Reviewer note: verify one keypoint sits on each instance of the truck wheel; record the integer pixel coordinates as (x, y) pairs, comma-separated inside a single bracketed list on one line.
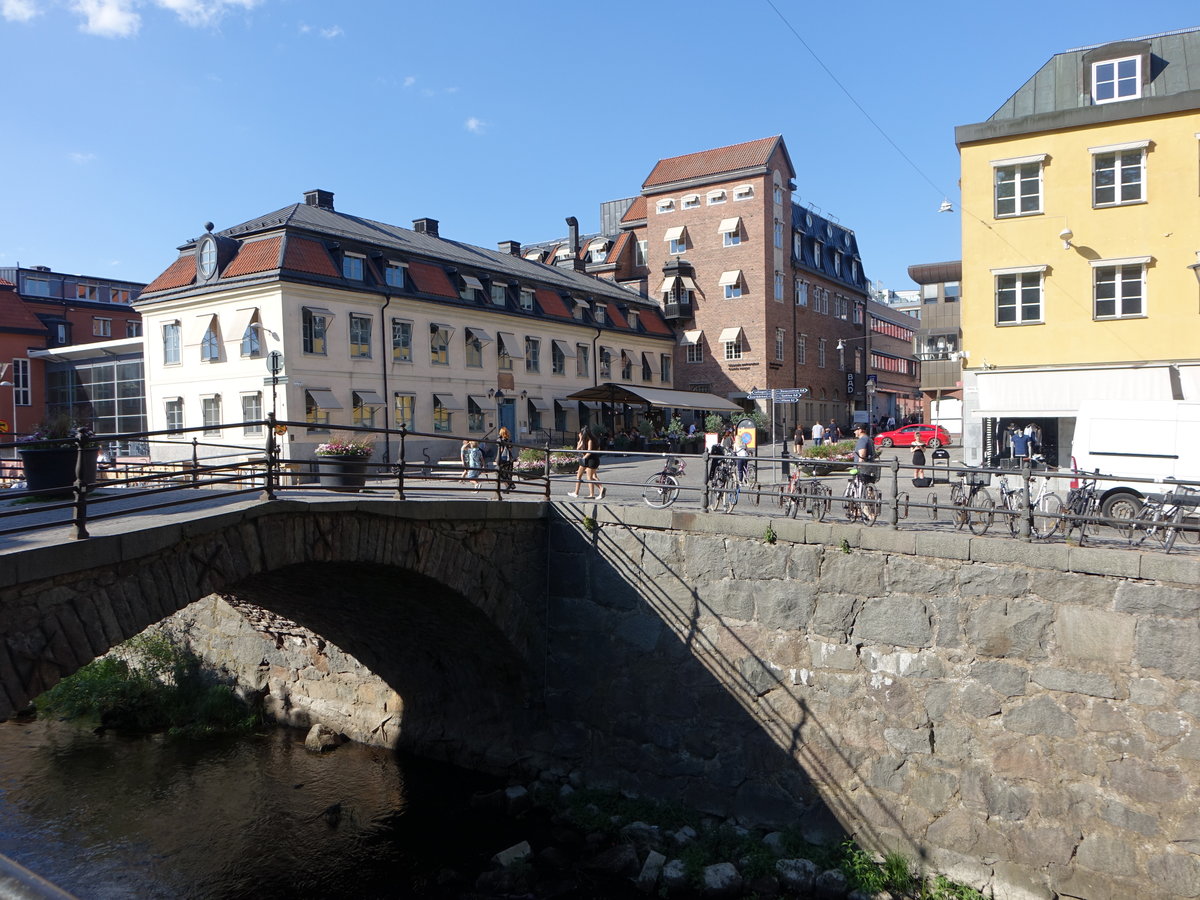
[(1120, 505)]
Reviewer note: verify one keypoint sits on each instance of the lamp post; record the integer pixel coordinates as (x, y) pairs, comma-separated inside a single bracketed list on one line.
[(12, 425)]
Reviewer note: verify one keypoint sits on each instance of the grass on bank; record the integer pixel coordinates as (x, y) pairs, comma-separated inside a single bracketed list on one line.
[(149, 684)]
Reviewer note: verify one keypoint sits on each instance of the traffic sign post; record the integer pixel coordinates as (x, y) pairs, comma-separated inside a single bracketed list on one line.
[(776, 395)]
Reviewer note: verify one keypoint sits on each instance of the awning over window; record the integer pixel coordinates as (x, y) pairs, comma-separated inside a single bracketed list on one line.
[(592, 404), (243, 319), (473, 282), (565, 349), (439, 326), (687, 282), (510, 346), (319, 311), (479, 334), (668, 283), (674, 234), (539, 403), (447, 401), (648, 360), (483, 401), (729, 335), (729, 225), (598, 244), (323, 399), (611, 351), (728, 278), (369, 398), (688, 338)]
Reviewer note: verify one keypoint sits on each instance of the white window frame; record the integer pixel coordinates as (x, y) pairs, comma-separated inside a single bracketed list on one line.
[(695, 353), (664, 206), (778, 234), (639, 252), (1122, 86), (715, 197), (743, 192), (526, 299), (801, 292), (252, 414), (402, 342), (780, 337), (210, 408), (665, 361), (499, 293), (439, 346), (733, 349), (1022, 279), (354, 266), (1119, 160), (691, 201), (1119, 269), (22, 389), (173, 414), (801, 349), (172, 334), (360, 347), (394, 269), (821, 342), (210, 344), (533, 355), (404, 409), (101, 326), (778, 287), (1023, 173)]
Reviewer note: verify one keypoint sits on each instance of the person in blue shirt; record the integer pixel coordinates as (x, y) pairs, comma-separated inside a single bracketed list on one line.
[(1020, 444)]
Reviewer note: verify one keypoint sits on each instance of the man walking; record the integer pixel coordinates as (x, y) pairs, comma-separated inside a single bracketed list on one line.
[(818, 433)]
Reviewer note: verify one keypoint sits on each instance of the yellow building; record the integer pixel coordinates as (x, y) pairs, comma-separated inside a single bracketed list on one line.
[(1081, 241)]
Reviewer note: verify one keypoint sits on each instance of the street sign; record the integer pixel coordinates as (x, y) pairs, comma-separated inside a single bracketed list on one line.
[(760, 395), (849, 384), (778, 395), (274, 362), (3, 426)]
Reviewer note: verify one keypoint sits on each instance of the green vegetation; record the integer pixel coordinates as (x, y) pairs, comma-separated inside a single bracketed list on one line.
[(149, 684), (769, 534)]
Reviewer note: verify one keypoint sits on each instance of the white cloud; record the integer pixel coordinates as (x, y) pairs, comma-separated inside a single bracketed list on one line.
[(203, 13), (79, 158), (18, 10), (332, 31), (475, 126), (108, 18), (410, 80)]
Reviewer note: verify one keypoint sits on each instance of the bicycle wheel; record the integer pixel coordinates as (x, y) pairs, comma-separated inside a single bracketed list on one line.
[(786, 499), (1172, 531), (933, 507), (1143, 524), (731, 496), (660, 491), (1046, 519), (980, 518), (818, 502), (1189, 530), (870, 504), (1011, 514), (958, 501), (850, 503), (902, 501)]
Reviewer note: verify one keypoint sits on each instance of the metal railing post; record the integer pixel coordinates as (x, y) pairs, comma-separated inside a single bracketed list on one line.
[(547, 471), (400, 465), (1026, 529), (895, 500), (272, 475), (195, 460), (81, 491), (704, 476)]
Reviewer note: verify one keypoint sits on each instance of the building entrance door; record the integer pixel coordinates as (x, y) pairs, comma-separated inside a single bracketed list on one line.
[(508, 416)]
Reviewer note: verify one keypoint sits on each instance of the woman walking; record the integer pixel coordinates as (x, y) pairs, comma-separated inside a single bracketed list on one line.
[(588, 465), (504, 459)]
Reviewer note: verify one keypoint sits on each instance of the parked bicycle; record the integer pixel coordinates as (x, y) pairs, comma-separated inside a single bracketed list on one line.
[(970, 503), (861, 499), (804, 493), (662, 488), (1045, 505), (1162, 517), (1081, 510), (724, 487)]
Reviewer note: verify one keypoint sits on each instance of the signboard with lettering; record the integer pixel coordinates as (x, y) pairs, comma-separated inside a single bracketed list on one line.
[(849, 384)]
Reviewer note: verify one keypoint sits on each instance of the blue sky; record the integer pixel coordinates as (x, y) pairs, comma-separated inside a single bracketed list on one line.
[(133, 122)]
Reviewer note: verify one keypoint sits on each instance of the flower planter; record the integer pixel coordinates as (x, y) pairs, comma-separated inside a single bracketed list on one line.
[(51, 470), (343, 473)]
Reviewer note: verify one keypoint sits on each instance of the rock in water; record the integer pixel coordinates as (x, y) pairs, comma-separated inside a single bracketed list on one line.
[(321, 738)]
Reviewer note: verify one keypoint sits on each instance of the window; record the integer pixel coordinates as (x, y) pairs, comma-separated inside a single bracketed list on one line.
[(632, 315), (743, 192), (733, 349), (817, 245), (210, 345), (313, 325), (801, 292), (171, 354), (647, 369), (315, 415), (779, 287), (499, 294), (695, 352), (732, 282), (715, 197), (533, 355), (394, 275), (87, 292), (664, 206), (401, 341), (732, 238), (535, 417), (778, 194), (605, 363), (599, 311), (474, 416), (441, 415), (364, 411), (352, 267), (801, 349), (731, 231), (251, 341), (403, 409), (558, 361), (174, 414), (526, 299), (504, 360), (1117, 79), (439, 345), (474, 350), (252, 414), (471, 288), (1118, 176), (664, 367), (22, 392), (101, 327), (38, 287), (677, 237), (119, 295), (837, 264), (639, 253), (929, 293), (581, 360), (1119, 288), (360, 337), (821, 353), (211, 409), (133, 328), (953, 291), (779, 339), (1018, 296), (798, 246), (691, 201), (778, 234), (1018, 186), (598, 251)]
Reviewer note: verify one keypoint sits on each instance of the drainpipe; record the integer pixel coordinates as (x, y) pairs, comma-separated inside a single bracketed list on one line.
[(387, 397)]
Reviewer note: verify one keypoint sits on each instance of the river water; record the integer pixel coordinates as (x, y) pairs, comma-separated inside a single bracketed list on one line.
[(105, 816)]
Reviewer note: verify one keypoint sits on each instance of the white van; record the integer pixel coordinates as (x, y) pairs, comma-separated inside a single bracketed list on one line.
[(1157, 439)]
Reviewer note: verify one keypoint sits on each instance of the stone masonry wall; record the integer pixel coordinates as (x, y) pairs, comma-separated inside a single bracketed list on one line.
[(1011, 722)]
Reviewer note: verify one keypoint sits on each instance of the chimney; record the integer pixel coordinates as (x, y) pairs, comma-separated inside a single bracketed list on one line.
[(426, 226), (319, 199), (573, 234), (511, 247)]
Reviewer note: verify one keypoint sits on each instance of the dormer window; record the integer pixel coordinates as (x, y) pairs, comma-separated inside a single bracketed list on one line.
[(664, 206), (632, 316), (717, 196), (743, 192), (534, 255), (1117, 79), (563, 252), (352, 267), (598, 313), (598, 250), (394, 273), (691, 201), (471, 288)]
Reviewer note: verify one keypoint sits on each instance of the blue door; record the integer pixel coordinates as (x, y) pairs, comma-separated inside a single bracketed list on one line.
[(508, 416)]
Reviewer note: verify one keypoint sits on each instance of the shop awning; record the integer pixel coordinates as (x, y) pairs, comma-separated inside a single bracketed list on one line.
[(637, 395)]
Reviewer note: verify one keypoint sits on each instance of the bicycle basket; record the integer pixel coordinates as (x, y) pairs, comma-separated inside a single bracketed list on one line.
[(979, 479)]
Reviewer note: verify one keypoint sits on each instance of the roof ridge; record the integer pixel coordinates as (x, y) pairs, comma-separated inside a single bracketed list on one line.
[(1144, 37)]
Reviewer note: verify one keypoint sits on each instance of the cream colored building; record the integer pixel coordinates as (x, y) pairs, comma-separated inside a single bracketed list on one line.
[(380, 325)]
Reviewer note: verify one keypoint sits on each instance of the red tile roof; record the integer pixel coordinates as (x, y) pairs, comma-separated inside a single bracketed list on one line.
[(653, 322), (551, 304), (636, 211), (618, 247), (431, 279), (14, 314), (255, 256), (305, 255), (711, 162), (179, 274), (614, 316), (6, 283)]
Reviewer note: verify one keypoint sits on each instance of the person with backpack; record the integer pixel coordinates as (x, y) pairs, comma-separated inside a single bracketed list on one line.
[(505, 457)]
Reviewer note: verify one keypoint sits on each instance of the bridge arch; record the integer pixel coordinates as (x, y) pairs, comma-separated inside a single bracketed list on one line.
[(446, 608)]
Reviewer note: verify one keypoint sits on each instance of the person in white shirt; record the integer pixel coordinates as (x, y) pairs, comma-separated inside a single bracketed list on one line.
[(818, 433)]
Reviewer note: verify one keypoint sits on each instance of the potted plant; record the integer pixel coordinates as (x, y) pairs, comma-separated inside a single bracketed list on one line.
[(56, 453), (342, 461)]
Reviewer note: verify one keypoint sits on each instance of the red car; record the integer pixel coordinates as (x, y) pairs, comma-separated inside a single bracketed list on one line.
[(931, 435)]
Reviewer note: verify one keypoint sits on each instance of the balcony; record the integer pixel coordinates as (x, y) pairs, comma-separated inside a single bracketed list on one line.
[(677, 309)]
